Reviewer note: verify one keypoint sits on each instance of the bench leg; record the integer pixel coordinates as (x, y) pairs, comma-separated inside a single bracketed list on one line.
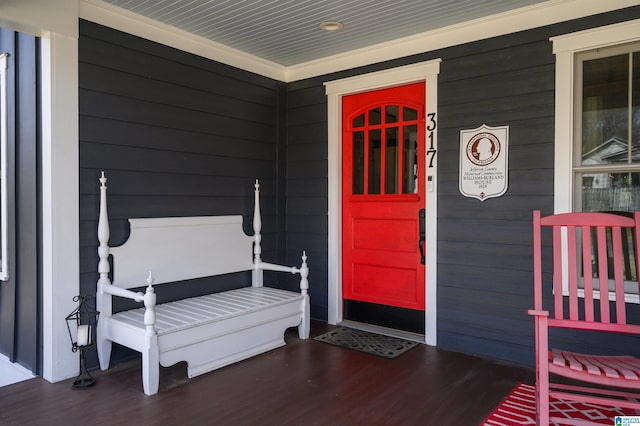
[(151, 366), (304, 327), (104, 352)]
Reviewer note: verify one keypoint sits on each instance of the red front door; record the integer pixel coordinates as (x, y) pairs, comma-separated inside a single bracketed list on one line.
[(383, 149)]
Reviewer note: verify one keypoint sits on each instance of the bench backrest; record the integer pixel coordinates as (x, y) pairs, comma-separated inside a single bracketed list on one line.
[(181, 248)]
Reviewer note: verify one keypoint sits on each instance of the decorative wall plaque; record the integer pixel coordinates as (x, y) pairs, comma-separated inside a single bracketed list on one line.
[(484, 165)]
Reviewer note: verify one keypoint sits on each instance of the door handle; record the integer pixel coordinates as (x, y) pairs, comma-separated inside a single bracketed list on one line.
[(421, 224)]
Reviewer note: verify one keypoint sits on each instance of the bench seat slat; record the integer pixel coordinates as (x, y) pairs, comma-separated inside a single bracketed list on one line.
[(174, 316)]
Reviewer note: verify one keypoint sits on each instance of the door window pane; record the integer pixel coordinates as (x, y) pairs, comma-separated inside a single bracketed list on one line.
[(391, 114), (375, 143), (410, 159), (358, 121), (358, 162), (391, 161), (409, 114), (374, 116)]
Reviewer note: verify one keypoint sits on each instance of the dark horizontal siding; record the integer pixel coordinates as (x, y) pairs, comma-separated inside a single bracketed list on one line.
[(119, 51), (182, 135), (307, 190), (484, 248), (177, 135), (21, 294), (506, 84), (485, 262)]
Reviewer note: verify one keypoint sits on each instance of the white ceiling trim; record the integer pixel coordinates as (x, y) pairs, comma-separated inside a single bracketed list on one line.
[(504, 23), (120, 19), (547, 13)]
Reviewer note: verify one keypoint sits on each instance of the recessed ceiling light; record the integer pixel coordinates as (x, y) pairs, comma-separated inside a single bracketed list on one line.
[(331, 25)]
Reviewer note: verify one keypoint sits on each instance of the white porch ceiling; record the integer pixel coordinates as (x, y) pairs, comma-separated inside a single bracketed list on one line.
[(287, 33)]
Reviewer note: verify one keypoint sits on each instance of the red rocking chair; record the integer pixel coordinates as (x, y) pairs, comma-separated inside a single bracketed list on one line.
[(585, 246)]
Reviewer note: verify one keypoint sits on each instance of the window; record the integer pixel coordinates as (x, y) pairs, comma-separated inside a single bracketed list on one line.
[(597, 133), (4, 255), (386, 140), (607, 143), (607, 130)]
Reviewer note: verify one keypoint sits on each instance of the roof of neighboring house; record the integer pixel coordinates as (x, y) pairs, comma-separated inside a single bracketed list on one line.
[(613, 150)]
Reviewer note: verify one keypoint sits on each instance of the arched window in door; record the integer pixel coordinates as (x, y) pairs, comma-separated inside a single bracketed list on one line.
[(384, 151)]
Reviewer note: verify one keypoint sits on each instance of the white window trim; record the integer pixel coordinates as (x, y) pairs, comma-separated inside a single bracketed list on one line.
[(4, 209), (565, 47), (424, 71)]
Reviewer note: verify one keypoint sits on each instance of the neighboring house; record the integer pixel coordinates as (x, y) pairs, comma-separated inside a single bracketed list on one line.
[(606, 191), (613, 150), (180, 133)]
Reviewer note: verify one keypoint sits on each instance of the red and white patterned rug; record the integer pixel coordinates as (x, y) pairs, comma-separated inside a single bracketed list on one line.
[(519, 409)]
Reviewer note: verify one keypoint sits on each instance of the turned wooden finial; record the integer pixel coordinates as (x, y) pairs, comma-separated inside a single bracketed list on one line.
[(149, 304), (103, 234), (304, 274), (257, 225)]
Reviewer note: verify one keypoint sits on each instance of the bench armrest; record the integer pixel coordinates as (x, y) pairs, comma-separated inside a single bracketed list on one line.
[(303, 270), (273, 267), (149, 299), (117, 291)]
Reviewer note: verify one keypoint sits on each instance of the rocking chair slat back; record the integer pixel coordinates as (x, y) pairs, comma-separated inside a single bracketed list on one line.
[(593, 256), (590, 260)]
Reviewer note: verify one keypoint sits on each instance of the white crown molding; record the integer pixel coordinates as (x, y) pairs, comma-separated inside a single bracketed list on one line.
[(546, 13), (593, 38), (117, 18)]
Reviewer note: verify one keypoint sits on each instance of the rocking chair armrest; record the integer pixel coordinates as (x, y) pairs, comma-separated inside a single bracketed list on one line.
[(538, 313)]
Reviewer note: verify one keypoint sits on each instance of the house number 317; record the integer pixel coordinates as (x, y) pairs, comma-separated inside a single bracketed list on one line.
[(431, 127)]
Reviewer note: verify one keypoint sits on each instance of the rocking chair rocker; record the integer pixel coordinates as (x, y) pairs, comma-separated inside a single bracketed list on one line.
[(590, 251)]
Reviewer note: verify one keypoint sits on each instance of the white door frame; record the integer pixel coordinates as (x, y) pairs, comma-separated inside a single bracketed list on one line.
[(424, 71)]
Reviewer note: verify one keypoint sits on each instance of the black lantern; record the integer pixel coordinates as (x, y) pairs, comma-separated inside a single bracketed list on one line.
[(82, 321)]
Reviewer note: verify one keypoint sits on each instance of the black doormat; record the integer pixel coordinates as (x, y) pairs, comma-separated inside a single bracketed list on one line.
[(364, 341)]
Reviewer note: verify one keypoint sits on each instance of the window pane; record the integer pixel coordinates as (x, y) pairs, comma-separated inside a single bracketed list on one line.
[(611, 192), (391, 161), (374, 161), (358, 162), (391, 114), (628, 260), (409, 114), (605, 111), (358, 121), (635, 90), (374, 116), (410, 159)]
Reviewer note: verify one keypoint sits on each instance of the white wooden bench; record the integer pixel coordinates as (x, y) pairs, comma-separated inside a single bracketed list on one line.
[(208, 332)]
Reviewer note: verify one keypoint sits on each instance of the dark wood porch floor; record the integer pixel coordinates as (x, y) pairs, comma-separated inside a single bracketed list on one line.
[(304, 383)]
